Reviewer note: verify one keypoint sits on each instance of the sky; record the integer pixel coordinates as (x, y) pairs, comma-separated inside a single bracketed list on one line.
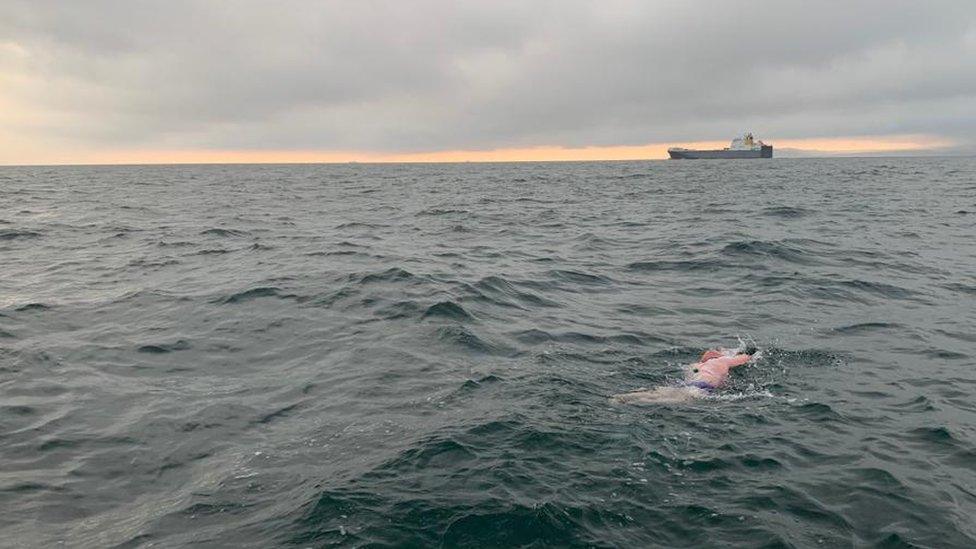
[(480, 80)]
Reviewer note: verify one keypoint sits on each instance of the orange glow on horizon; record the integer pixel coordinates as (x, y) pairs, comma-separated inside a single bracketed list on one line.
[(854, 145), (840, 145)]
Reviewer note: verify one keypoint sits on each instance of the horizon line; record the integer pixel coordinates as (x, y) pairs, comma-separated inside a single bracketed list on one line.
[(866, 146), (828, 156)]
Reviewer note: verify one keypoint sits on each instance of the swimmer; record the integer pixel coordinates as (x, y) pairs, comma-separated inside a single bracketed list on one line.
[(708, 374)]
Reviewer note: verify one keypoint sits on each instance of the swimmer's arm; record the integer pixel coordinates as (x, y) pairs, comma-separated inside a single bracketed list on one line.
[(739, 360)]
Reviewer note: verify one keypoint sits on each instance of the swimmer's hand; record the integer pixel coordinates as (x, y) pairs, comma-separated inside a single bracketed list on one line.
[(737, 360)]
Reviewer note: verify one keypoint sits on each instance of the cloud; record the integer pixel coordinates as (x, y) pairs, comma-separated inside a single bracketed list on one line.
[(426, 75)]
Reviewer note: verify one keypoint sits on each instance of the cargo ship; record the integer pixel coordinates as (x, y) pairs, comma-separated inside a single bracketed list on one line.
[(741, 147)]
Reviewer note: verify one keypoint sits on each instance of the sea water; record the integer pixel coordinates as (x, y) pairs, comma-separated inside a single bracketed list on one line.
[(422, 355)]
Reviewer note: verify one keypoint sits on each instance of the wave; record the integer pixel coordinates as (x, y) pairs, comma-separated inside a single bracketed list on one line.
[(785, 212), (481, 382), (787, 251), (501, 290), (393, 274), (593, 242), (251, 294), (360, 225), (879, 288), (968, 289), (677, 265), (338, 253), (224, 232), (579, 277), (13, 234), (432, 521), (866, 327), (212, 251), (536, 337), (400, 309), (32, 307), (818, 412), (441, 211), (281, 412), (468, 340), (163, 348), (447, 309), (939, 436), (153, 263)]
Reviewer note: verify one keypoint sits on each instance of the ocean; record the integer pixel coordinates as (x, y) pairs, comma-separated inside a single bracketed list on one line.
[(424, 355)]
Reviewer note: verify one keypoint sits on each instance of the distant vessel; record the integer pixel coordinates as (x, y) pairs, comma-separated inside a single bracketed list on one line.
[(741, 147)]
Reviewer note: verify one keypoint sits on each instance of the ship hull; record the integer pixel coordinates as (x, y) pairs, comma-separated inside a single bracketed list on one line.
[(690, 154)]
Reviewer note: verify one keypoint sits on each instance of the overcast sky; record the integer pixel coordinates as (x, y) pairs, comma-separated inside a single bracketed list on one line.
[(406, 76)]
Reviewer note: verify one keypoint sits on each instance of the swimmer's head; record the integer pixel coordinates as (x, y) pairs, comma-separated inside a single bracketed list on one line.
[(712, 353), (750, 350)]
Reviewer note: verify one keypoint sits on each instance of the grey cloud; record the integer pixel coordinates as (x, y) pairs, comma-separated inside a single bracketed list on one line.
[(407, 76)]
